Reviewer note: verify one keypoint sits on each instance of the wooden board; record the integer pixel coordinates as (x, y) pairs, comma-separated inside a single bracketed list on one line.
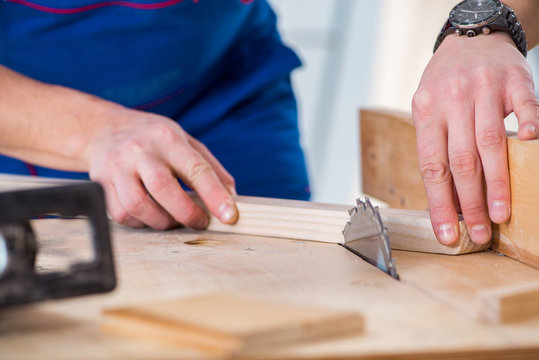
[(510, 304), (519, 238), (291, 219), (230, 325), (425, 316), (302, 220), (389, 163)]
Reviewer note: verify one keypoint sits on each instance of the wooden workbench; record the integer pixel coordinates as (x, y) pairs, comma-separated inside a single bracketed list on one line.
[(430, 314)]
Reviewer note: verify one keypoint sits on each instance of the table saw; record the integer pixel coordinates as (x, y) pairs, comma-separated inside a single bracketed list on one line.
[(444, 306)]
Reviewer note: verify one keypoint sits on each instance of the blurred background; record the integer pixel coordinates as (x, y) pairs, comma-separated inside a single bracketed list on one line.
[(356, 53)]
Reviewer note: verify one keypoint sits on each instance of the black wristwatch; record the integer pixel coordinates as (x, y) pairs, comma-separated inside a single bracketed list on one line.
[(474, 17)]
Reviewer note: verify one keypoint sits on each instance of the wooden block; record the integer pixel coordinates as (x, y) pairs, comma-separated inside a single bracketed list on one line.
[(510, 304), (389, 163), (411, 230), (519, 238), (293, 219), (230, 324), (302, 220)]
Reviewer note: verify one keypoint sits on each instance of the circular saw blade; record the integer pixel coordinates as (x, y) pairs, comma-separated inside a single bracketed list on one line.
[(366, 236)]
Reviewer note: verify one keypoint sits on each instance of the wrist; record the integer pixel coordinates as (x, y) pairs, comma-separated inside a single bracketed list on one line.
[(82, 118)]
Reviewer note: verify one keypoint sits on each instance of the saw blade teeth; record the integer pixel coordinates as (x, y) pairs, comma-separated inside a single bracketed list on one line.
[(366, 222), (360, 204), (378, 219), (346, 228)]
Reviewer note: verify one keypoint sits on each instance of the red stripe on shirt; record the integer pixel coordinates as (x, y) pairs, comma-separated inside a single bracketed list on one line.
[(68, 11)]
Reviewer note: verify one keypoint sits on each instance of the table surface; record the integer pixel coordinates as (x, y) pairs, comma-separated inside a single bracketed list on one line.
[(430, 313)]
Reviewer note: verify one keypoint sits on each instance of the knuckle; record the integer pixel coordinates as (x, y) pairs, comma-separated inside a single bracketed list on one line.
[(165, 132), (119, 215), (441, 208), (472, 208), (434, 171), (464, 164), (163, 224), (160, 181), (422, 102), (498, 186), (486, 75), (132, 145), (112, 159), (134, 203), (457, 88), (489, 138), (189, 215), (198, 170), (528, 102)]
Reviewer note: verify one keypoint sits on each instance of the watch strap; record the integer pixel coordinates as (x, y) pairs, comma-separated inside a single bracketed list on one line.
[(506, 22)]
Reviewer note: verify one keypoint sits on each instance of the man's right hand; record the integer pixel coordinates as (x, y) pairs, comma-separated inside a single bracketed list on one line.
[(138, 156)]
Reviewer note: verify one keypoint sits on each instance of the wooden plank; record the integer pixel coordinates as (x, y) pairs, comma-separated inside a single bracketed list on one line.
[(510, 304), (519, 238), (411, 230), (228, 324), (389, 163), (483, 286), (291, 219), (302, 220)]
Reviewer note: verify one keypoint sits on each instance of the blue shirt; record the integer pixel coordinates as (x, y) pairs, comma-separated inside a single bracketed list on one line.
[(218, 67)]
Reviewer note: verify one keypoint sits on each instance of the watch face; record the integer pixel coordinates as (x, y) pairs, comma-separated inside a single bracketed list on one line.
[(473, 13)]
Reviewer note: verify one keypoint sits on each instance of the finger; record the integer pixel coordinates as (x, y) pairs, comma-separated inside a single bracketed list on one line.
[(526, 109), (434, 167), (492, 146), (116, 210), (198, 174), (219, 169), (165, 189), (136, 202), (466, 168)]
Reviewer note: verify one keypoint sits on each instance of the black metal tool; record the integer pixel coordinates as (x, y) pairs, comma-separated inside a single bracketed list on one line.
[(20, 283)]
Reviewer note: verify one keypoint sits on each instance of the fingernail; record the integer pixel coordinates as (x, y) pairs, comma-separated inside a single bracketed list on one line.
[(227, 213), (446, 234), (529, 129), (499, 211), (479, 234), (202, 223)]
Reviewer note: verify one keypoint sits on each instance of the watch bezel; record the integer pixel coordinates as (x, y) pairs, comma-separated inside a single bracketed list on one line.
[(488, 20)]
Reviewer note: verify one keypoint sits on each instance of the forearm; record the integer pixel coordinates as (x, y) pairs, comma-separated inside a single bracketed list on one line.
[(45, 124), (527, 12)]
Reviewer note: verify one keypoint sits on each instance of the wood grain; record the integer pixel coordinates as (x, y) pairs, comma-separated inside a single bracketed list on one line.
[(291, 219), (519, 238), (412, 231), (229, 324), (389, 163), (510, 304)]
